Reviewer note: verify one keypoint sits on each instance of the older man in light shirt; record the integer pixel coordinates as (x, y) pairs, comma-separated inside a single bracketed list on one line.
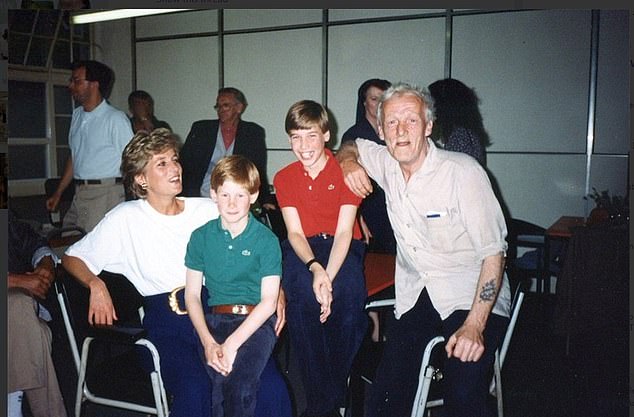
[(450, 235)]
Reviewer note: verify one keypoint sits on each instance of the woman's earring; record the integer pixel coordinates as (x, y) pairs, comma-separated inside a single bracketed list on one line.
[(144, 186)]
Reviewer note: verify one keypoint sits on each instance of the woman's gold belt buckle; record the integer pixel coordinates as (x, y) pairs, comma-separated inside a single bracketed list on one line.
[(173, 301)]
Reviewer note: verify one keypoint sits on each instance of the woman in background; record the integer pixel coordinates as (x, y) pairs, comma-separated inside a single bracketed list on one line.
[(375, 224), (458, 126)]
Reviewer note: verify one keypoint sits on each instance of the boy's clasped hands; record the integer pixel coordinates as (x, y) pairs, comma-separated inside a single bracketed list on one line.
[(322, 286), (220, 357)]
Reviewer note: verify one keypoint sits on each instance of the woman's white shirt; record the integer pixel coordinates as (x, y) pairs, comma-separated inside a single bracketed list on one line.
[(147, 247)]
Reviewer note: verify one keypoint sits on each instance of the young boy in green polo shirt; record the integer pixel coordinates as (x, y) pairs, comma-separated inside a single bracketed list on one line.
[(240, 260)]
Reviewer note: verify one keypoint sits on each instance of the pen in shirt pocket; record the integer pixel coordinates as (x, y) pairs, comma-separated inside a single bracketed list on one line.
[(435, 214)]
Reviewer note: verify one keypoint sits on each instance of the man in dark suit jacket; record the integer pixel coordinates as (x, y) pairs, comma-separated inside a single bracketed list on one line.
[(202, 149)]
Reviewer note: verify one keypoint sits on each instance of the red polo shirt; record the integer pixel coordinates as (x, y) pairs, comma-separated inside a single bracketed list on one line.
[(317, 200)]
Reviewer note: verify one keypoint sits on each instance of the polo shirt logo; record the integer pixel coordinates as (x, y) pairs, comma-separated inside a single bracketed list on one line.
[(246, 252), (331, 187)]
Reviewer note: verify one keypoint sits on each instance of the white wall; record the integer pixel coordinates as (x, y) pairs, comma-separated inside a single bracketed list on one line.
[(531, 70), (113, 46)]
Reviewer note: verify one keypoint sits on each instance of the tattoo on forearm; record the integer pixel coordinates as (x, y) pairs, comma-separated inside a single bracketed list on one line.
[(488, 292)]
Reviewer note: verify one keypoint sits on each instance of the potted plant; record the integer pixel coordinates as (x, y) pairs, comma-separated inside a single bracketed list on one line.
[(607, 207)]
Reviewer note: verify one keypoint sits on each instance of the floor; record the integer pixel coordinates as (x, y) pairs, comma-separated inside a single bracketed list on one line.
[(540, 380)]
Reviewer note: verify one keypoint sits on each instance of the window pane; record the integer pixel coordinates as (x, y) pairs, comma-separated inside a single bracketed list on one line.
[(81, 51), (62, 156), (3, 177), (21, 20), (62, 127), (80, 32), (38, 54), (27, 161), (63, 101), (17, 48), (27, 109), (61, 55), (46, 22), (3, 120), (64, 28)]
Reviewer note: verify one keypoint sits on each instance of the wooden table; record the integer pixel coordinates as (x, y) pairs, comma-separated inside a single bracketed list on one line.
[(562, 229), (379, 271)]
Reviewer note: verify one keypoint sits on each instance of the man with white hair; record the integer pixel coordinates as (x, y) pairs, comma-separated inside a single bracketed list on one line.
[(450, 234)]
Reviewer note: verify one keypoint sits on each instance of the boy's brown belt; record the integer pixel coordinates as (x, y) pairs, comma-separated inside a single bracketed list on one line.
[(242, 309)]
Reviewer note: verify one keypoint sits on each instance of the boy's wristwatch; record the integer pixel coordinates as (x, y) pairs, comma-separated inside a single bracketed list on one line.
[(309, 263)]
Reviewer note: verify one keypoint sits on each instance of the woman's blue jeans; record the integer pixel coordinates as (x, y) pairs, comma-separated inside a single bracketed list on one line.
[(176, 341)]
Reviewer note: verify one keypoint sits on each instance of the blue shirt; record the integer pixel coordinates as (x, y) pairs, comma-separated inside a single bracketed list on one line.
[(97, 139)]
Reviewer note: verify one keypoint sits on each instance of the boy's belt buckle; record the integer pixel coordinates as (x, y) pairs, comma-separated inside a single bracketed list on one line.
[(240, 309)]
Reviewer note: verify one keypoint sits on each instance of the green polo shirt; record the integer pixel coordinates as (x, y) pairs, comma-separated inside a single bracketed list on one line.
[(234, 267)]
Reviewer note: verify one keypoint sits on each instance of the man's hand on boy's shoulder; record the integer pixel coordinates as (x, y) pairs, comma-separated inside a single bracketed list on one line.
[(355, 177)]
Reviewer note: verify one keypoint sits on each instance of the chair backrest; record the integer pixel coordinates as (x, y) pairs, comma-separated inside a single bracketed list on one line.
[(73, 299), (523, 234), (276, 223), (50, 186)]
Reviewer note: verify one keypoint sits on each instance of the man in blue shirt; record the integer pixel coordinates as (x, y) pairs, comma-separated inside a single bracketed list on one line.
[(98, 134)]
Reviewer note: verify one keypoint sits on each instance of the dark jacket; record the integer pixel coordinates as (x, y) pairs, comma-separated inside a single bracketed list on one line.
[(199, 147), (362, 129), (373, 207), (23, 241)]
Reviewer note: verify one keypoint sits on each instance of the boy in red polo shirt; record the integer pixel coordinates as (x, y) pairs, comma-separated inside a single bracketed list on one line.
[(322, 261)]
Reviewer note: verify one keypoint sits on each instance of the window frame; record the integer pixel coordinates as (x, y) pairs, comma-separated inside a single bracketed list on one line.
[(50, 79)]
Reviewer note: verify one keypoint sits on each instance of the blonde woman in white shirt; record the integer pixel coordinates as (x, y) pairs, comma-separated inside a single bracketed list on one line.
[(145, 240)]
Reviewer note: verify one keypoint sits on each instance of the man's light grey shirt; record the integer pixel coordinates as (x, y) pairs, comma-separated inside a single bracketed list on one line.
[(446, 220)]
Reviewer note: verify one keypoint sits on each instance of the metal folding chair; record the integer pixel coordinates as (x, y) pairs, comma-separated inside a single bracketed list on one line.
[(430, 373), (56, 217), (106, 358)]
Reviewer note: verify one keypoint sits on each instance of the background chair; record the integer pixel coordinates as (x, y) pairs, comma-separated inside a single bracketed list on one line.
[(50, 186), (109, 370), (56, 217), (522, 234)]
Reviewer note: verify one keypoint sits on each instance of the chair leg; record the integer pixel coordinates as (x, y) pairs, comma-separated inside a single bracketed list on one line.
[(420, 401), (81, 378), (498, 384), (158, 398), (425, 377)]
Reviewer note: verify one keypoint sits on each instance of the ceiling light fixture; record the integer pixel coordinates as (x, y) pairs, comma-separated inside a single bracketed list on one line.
[(100, 16)]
